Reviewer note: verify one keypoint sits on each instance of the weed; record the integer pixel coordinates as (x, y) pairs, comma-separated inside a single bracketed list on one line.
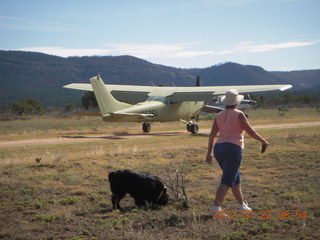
[(94, 197), (67, 195), (68, 201), (239, 236), (286, 196), (265, 227), (104, 204)]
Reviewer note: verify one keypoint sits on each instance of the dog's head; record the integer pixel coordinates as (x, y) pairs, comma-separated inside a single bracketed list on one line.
[(163, 197)]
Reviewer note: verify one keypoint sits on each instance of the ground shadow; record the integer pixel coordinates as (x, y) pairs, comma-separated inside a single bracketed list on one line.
[(93, 137), (128, 135)]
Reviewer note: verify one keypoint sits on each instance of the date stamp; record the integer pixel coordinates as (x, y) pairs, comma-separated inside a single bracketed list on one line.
[(264, 215)]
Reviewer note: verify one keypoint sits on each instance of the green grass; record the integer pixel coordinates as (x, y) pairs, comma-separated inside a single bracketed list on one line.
[(66, 195)]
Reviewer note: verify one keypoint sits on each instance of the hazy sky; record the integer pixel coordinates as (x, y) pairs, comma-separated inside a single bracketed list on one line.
[(273, 34)]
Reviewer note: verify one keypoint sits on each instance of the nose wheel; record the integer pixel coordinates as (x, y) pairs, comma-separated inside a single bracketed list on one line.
[(146, 127), (192, 127)]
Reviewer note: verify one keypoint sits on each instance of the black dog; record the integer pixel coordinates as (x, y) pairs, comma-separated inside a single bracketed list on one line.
[(143, 187)]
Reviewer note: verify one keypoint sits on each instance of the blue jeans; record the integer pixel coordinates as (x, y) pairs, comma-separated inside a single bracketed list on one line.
[(229, 157)]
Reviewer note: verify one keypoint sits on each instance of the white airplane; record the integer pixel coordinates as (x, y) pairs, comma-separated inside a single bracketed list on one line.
[(245, 104), (147, 104)]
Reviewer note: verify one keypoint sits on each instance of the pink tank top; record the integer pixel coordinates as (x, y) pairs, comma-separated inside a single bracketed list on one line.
[(229, 127)]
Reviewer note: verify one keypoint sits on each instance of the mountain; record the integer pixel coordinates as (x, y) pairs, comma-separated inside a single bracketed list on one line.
[(41, 76), (302, 80)]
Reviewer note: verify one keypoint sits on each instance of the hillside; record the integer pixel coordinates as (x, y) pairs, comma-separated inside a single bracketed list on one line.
[(41, 76)]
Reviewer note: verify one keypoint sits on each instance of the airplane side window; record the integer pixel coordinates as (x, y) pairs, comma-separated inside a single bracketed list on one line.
[(159, 99)]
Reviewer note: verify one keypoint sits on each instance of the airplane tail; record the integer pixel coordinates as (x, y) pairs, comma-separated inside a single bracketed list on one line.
[(107, 103)]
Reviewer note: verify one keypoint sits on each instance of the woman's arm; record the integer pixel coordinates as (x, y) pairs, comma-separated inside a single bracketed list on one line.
[(244, 123), (213, 134)]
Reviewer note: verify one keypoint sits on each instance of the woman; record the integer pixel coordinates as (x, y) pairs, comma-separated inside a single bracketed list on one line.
[(231, 125)]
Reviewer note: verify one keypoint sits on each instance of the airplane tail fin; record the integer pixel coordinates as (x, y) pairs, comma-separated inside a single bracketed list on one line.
[(107, 103)]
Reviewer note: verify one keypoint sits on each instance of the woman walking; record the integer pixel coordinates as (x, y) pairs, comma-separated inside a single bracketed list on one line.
[(231, 125)]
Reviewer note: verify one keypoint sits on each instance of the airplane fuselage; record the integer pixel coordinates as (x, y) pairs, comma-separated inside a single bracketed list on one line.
[(161, 112)]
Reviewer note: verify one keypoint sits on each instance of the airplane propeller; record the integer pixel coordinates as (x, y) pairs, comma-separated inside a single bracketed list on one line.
[(198, 82), (197, 85)]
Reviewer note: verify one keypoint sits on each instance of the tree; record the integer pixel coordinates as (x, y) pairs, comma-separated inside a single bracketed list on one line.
[(89, 101), (27, 106), (69, 107)]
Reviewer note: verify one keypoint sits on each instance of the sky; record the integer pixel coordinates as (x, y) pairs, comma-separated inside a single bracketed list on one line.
[(278, 35)]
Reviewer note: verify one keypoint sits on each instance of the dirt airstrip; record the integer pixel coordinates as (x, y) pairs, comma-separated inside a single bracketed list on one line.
[(101, 137)]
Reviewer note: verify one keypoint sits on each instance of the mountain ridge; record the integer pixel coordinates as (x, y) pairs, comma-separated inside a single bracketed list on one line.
[(41, 76)]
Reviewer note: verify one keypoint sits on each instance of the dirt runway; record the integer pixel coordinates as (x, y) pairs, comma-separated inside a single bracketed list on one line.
[(102, 137)]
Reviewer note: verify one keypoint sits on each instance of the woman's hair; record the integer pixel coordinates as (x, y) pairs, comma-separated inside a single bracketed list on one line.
[(231, 106)]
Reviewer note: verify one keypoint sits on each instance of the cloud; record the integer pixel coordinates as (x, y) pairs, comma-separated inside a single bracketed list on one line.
[(156, 51), (176, 50), (235, 3), (147, 51), (16, 23), (249, 47), (68, 52)]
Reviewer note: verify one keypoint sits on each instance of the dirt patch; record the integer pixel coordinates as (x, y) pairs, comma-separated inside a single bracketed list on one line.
[(92, 138)]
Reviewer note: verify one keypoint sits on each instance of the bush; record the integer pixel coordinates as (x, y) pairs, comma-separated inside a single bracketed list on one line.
[(27, 106), (89, 101)]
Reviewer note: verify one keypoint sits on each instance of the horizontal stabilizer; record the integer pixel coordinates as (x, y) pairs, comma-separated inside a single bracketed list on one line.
[(133, 115), (79, 86), (285, 87)]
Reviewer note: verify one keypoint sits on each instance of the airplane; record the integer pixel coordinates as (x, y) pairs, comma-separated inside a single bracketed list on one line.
[(245, 104), (148, 104)]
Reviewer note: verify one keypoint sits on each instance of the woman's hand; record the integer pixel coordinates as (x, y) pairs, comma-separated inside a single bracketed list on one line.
[(264, 145), (209, 158)]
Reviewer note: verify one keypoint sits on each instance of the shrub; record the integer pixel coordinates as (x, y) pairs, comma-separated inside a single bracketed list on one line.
[(27, 106)]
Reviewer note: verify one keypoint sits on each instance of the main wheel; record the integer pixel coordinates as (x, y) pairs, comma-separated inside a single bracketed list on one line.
[(146, 127), (194, 128), (189, 127)]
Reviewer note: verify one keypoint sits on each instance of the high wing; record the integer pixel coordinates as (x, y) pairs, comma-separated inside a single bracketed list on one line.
[(207, 93), (135, 94)]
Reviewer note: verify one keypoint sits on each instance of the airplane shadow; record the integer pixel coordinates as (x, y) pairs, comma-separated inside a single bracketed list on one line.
[(116, 136), (200, 135), (92, 137), (149, 134)]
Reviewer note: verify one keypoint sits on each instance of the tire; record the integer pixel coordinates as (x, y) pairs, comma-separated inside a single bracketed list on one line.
[(194, 128), (146, 127)]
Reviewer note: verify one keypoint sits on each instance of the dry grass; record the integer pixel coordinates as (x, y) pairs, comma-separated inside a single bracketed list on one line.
[(66, 195)]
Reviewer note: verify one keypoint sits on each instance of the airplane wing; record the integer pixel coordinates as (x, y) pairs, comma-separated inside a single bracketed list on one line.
[(207, 93), (135, 94)]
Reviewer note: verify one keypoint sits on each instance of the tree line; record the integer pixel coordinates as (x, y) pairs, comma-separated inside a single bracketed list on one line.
[(88, 101), (289, 98)]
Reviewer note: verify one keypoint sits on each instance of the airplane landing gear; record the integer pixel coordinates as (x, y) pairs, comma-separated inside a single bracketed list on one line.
[(192, 127), (146, 127)]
